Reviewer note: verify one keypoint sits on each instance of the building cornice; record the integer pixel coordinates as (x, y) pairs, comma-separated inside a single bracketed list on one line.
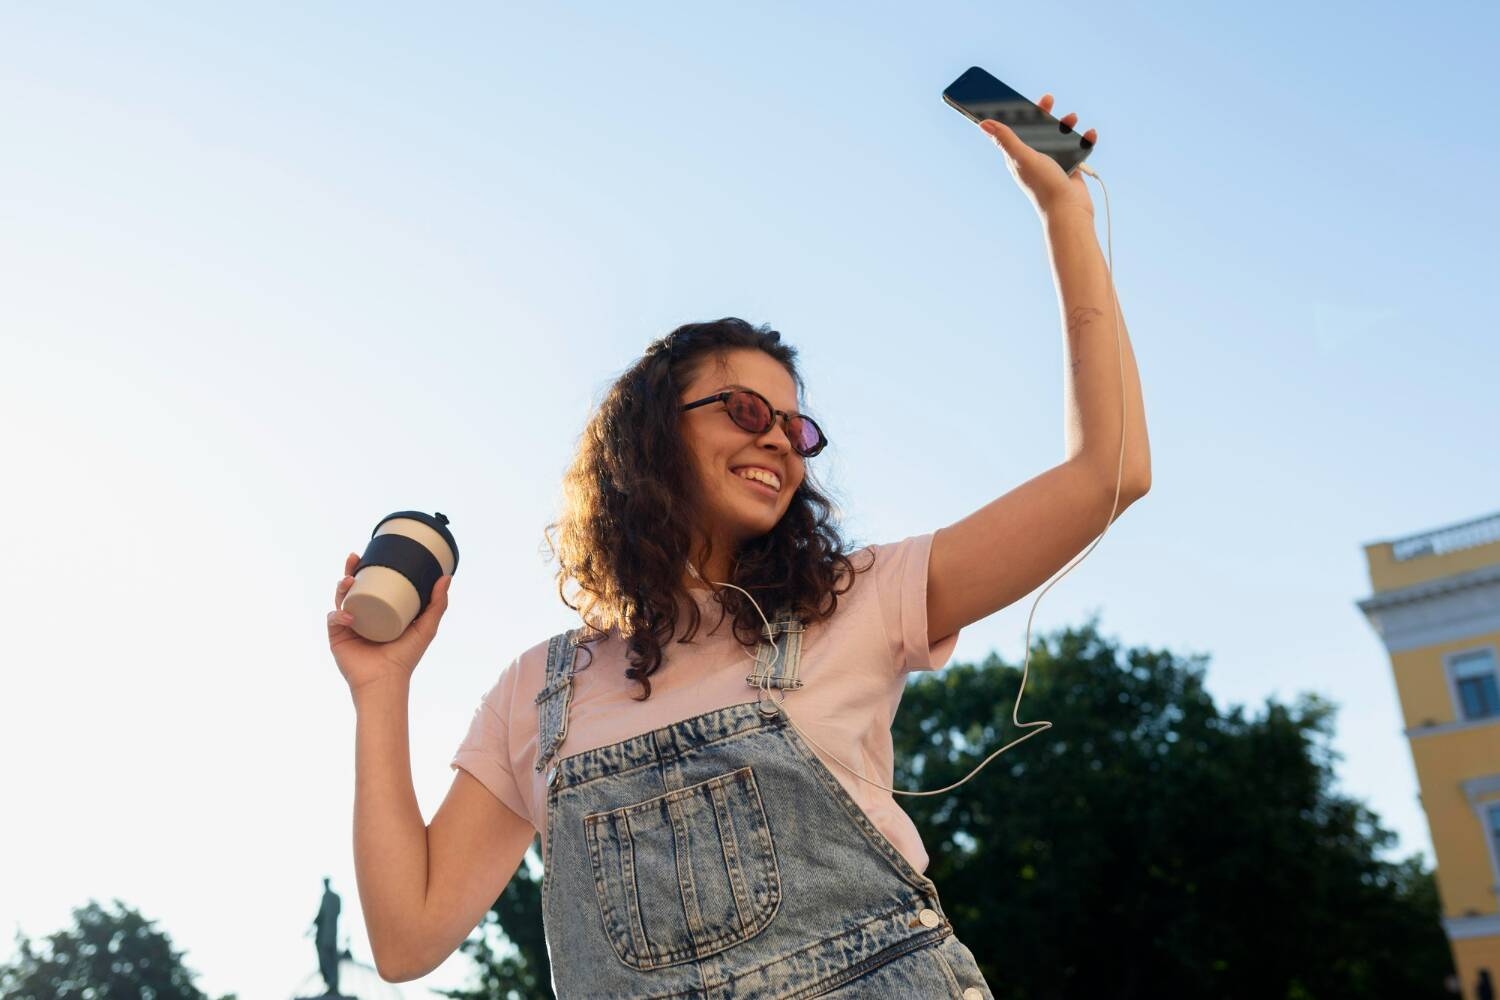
[(1447, 609), (1475, 787), (1459, 928), (1416, 732)]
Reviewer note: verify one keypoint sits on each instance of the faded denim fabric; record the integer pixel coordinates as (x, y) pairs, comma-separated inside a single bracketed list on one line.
[(718, 858)]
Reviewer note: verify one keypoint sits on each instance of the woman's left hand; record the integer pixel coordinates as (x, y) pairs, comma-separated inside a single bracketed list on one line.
[(1044, 182)]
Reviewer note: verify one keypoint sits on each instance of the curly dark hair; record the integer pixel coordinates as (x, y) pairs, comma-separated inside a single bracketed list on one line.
[(631, 501)]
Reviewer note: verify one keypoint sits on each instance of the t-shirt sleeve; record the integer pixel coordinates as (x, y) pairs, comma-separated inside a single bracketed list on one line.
[(485, 750), (901, 581)]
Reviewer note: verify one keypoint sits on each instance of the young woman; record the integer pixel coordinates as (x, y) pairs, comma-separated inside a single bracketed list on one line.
[(714, 807)]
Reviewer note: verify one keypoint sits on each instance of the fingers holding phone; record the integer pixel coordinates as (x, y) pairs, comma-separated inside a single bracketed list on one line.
[(1070, 121), (1042, 152)]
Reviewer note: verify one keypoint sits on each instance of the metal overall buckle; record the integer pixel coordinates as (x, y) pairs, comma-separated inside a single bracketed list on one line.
[(769, 707)]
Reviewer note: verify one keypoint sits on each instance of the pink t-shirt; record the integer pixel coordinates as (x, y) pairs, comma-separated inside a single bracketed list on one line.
[(853, 666)]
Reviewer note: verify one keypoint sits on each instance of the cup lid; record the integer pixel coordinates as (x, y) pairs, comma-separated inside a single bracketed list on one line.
[(437, 521)]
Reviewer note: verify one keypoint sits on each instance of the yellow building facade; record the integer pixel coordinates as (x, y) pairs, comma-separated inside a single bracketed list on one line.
[(1435, 603)]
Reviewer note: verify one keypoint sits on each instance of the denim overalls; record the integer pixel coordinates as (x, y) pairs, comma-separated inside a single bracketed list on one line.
[(718, 858)]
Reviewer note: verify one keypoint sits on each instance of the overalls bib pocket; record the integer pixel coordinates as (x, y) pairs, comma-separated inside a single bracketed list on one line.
[(685, 874)]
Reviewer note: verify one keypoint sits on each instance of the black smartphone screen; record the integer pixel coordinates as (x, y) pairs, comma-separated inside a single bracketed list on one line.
[(977, 95)]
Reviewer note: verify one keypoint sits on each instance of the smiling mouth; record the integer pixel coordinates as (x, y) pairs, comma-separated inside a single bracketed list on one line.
[(762, 488)]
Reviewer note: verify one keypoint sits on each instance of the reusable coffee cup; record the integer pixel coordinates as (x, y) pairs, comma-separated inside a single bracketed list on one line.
[(407, 553)]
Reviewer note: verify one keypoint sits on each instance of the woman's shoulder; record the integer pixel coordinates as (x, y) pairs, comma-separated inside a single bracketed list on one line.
[(884, 578), (880, 555), (531, 665), (848, 589), (887, 558), (850, 571)]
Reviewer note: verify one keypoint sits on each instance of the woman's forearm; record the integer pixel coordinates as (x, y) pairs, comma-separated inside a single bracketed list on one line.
[(390, 838), (1091, 370)]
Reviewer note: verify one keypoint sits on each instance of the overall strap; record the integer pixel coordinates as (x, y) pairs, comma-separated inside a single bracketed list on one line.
[(557, 691), (779, 666)]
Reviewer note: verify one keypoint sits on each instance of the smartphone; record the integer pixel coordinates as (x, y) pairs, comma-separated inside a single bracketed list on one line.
[(977, 95)]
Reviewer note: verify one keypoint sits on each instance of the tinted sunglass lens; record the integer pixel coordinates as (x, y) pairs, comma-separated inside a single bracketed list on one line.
[(749, 412), (804, 435)]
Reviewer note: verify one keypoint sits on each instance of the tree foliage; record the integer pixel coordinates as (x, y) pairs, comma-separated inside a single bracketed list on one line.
[(104, 956), (1150, 844)]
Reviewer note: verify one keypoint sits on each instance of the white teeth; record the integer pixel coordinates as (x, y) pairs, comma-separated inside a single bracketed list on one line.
[(761, 476)]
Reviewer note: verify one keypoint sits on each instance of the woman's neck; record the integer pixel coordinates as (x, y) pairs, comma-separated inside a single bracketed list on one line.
[(713, 575)]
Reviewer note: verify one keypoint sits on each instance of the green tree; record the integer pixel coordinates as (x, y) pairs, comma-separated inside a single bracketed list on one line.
[(1149, 844), (104, 956)]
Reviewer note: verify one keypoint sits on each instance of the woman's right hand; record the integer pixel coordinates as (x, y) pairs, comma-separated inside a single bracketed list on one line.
[(363, 662)]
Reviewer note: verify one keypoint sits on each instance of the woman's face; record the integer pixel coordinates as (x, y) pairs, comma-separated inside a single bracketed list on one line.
[(740, 509)]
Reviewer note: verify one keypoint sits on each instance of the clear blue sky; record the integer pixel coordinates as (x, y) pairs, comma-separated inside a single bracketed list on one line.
[(269, 273)]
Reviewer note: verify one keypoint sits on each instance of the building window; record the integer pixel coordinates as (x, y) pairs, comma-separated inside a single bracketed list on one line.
[(1474, 682), (1492, 813)]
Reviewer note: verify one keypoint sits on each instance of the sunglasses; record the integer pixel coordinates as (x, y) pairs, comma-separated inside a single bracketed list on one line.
[(754, 413)]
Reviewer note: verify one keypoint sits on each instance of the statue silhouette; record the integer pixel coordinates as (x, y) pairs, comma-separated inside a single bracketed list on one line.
[(326, 924)]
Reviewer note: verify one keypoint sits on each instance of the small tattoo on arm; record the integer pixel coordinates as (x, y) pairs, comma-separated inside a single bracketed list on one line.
[(1078, 318), (1081, 316)]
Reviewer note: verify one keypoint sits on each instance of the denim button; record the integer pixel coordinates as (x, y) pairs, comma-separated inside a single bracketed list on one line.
[(972, 993), (929, 917), (552, 776)]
